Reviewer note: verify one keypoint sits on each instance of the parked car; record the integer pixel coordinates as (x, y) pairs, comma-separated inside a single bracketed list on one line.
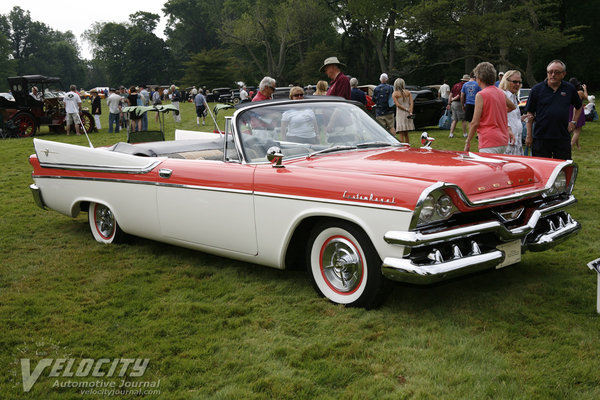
[(522, 96), (346, 199), (27, 114), (428, 108), (215, 95)]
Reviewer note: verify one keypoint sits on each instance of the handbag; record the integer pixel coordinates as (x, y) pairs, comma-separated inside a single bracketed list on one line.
[(445, 120), (391, 103)]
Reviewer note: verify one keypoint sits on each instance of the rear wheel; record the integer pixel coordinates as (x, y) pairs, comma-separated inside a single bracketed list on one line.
[(344, 265), (25, 123), (88, 121), (103, 224)]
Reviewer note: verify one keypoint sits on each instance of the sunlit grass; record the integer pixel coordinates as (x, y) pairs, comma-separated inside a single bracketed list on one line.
[(221, 329)]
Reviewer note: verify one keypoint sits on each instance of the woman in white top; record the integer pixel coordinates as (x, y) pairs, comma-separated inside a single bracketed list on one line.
[(511, 83), (299, 125)]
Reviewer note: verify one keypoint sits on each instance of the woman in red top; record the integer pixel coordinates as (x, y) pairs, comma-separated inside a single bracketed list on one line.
[(490, 122)]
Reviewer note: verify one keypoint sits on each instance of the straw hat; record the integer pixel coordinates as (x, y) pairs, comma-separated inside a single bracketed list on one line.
[(331, 61), (465, 77)]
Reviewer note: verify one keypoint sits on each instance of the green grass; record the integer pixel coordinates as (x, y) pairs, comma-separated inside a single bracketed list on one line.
[(220, 329)]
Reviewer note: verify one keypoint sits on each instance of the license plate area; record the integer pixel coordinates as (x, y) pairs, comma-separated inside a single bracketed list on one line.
[(512, 253)]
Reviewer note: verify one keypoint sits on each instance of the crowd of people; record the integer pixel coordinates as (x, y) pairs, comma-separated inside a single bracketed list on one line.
[(486, 104), (488, 109)]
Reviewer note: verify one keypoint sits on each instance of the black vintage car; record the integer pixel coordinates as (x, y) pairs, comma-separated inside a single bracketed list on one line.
[(428, 108), (215, 95)]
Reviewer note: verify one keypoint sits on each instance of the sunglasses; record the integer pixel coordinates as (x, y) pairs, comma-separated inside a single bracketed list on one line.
[(517, 82), (271, 87), (554, 72), (297, 95)]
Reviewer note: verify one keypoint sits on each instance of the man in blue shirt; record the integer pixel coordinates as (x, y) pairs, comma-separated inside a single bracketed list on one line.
[(200, 103), (384, 114), (355, 93), (467, 97), (548, 106)]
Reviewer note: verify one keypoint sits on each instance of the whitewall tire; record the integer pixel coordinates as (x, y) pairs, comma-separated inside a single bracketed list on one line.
[(103, 224), (344, 265)]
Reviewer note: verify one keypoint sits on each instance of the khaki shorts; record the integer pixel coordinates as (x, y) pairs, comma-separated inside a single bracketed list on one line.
[(386, 120), (72, 119), (458, 114)]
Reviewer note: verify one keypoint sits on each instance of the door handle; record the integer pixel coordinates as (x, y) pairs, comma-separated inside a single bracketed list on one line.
[(165, 172)]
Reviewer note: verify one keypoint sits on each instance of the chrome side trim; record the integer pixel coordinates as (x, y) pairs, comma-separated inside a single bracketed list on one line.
[(332, 201), (37, 196), (410, 238), (134, 182), (94, 168), (404, 270)]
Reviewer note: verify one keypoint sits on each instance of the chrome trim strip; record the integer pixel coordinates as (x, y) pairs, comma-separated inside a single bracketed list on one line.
[(134, 182), (411, 238), (215, 189), (37, 196), (92, 168), (333, 201), (404, 270)]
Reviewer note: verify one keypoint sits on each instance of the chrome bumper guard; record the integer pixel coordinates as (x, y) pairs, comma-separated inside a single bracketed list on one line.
[(405, 270), (37, 196)]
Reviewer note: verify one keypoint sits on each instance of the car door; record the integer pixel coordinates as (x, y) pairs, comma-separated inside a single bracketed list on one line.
[(208, 203)]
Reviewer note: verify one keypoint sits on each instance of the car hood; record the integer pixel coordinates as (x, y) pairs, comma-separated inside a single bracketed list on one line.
[(475, 173)]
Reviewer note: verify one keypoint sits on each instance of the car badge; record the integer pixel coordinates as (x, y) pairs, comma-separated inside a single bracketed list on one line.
[(369, 197), (508, 216)]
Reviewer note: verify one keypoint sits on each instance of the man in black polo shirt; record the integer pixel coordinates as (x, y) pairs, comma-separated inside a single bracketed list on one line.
[(549, 103)]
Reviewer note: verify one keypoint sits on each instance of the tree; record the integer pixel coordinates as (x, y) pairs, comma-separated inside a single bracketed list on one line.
[(130, 53), (38, 49)]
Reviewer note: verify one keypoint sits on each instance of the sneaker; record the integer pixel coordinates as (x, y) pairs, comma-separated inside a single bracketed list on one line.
[(465, 135), (203, 123), (451, 135)]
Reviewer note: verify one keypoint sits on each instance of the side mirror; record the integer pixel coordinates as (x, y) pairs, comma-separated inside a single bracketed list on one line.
[(275, 156)]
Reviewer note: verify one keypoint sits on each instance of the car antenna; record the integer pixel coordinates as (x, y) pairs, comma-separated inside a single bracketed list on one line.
[(85, 131), (213, 117)]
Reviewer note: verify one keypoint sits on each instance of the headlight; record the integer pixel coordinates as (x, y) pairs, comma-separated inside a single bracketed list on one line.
[(560, 184), (428, 209), (444, 206), (436, 206)]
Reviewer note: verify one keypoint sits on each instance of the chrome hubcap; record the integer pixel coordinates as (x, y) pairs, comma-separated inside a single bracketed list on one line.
[(105, 221), (341, 264)]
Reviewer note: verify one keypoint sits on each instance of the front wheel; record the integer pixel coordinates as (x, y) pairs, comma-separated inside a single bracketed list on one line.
[(344, 265), (103, 224), (25, 123)]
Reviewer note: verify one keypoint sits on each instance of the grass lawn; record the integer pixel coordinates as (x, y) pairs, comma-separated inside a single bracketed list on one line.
[(213, 328)]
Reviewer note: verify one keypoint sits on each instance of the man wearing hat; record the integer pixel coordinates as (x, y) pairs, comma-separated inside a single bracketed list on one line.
[(340, 83), (458, 114), (383, 112)]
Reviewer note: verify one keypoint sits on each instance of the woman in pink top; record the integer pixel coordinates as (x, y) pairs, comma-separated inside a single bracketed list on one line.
[(489, 118)]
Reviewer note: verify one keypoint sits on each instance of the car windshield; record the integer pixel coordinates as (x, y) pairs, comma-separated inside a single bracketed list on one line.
[(308, 128)]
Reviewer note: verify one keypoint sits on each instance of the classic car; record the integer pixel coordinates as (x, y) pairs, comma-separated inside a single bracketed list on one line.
[(27, 113), (315, 183)]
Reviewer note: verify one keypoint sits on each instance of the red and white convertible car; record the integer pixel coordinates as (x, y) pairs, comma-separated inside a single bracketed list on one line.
[(318, 183)]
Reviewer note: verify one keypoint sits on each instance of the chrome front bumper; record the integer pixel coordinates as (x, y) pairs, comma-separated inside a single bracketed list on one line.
[(544, 229), (37, 196)]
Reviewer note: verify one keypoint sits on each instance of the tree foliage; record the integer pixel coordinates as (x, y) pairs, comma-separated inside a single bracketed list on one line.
[(220, 42)]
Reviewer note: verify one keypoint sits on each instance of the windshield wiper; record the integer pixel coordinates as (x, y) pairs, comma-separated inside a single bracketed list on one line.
[(374, 144), (332, 149)]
